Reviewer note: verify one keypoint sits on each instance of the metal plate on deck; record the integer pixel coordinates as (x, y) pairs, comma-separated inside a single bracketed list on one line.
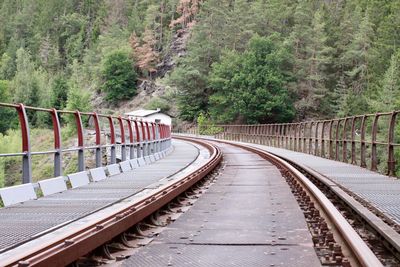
[(218, 255), (248, 217)]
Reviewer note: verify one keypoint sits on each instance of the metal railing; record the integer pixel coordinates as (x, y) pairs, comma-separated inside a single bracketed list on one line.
[(370, 141), (136, 138)]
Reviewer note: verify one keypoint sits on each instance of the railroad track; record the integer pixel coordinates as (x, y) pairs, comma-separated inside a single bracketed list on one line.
[(336, 242), (86, 238)]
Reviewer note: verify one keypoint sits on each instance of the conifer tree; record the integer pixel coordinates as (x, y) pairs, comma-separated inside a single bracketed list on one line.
[(388, 96)]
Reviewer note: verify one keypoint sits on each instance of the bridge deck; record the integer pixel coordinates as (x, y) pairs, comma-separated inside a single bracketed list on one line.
[(380, 191), (22, 222), (248, 217)]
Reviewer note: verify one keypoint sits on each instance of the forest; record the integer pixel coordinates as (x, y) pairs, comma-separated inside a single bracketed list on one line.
[(277, 61), (243, 61)]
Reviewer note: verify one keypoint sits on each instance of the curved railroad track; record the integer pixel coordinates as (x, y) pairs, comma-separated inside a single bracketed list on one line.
[(335, 240)]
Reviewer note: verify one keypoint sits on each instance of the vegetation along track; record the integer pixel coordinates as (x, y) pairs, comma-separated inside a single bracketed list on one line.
[(335, 240)]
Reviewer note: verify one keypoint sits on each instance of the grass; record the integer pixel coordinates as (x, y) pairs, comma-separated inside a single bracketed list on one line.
[(42, 165)]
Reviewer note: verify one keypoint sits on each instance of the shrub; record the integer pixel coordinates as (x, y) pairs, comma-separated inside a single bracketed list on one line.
[(119, 77)]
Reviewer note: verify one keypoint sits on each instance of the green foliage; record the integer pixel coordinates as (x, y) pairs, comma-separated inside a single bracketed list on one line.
[(10, 142), (59, 93), (158, 102), (206, 126), (7, 67), (252, 86), (388, 95), (119, 77), (7, 115)]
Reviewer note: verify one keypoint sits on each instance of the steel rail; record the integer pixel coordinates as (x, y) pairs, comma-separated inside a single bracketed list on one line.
[(86, 238), (359, 250)]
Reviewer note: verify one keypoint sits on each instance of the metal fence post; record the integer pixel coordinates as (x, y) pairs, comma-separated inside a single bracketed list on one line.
[(81, 151), (131, 139), (153, 127), (374, 161), (113, 159), (323, 139), (363, 161), (390, 148), (344, 141), (316, 139), (353, 141), (148, 139), (122, 132), (98, 139), (337, 140), (144, 139), (26, 145), (137, 139), (57, 143), (310, 139)]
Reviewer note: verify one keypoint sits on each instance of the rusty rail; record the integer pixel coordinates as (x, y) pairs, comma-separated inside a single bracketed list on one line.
[(69, 247), (156, 139), (370, 140), (356, 249)]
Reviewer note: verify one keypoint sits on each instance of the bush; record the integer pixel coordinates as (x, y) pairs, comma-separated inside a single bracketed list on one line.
[(252, 86), (206, 126), (160, 103), (119, 77)]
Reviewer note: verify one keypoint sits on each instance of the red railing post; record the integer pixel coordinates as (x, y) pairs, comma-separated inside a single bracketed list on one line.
[(374, 160), (310, 138), (344, 141), (26, 145), (295, 127), (353, 141), (113, 155), (316, 139), (144, 139), (337, 141), (153, 128), (148, 138), (331, 139), (305, 137), (138, 149), (122, 133), (131, 139), (391, 163), (363, 161), (57, 143), (81, 151), (98, 139)]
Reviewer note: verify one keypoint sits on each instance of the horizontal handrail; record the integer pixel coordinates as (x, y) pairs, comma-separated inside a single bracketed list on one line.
[(365, 140), (132, 137)]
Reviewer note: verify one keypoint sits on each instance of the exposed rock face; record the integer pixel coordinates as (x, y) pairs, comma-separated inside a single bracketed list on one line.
[(150, 88), (177, 49)]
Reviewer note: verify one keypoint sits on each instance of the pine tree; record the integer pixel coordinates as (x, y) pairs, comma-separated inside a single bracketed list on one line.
[(357, 56), (388, 97), (312, 57), (145, 54), (25, 83), (188, 10)]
